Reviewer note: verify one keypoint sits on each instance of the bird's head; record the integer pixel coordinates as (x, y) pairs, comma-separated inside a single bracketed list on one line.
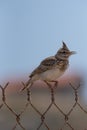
[(64, 52)]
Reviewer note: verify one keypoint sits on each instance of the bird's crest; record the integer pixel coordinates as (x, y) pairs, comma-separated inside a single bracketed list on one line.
[(64, 46)]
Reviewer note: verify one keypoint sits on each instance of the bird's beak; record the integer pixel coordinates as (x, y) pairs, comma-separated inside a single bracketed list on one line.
[(72, 52)]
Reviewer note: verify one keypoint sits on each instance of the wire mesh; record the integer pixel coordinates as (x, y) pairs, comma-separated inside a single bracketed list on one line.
[(43, 110)]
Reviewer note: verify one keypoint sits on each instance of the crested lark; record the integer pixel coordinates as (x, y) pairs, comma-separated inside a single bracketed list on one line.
[(52, 67)]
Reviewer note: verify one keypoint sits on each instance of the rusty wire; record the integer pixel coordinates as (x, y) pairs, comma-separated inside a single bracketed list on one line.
[(42, 115)]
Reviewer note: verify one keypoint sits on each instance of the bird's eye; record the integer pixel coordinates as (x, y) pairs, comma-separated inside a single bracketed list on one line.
[(64, 52)]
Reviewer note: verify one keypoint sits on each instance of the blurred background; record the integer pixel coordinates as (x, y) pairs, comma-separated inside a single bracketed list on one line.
[(31, 30)]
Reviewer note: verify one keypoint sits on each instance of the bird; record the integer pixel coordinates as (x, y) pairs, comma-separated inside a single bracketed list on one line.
[(51, 68)]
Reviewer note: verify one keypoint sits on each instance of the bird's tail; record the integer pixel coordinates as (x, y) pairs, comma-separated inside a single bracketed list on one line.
[(26, 85)]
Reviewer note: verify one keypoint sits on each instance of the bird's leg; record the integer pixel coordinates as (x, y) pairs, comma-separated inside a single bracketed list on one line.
[(55, 82), (47, 83)]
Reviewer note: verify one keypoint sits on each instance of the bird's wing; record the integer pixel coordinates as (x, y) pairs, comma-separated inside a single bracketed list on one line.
[(45, 65), (50, 61)]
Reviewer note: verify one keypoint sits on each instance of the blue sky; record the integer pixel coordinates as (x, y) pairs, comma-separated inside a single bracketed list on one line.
[(31, 30)]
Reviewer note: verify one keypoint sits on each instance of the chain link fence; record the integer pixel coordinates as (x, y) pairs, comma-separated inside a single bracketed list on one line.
[(42, 108)]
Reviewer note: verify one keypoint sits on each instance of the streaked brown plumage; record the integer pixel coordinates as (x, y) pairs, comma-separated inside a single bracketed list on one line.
[(52, 67)]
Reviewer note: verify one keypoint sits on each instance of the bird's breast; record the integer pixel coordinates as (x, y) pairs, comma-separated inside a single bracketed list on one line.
[(51, 74)]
